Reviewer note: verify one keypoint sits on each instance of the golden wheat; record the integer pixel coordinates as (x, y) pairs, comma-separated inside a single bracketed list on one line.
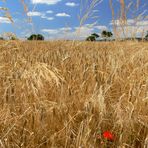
[(63, 94)]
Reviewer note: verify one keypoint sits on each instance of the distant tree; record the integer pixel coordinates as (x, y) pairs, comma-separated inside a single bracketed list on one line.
[(109, 34), (13, 38), (32, 37), (36, 37), (1, 38), (146, 37), (106, 34), (92, 37), (40, 37), (9, 36), (96, 35)]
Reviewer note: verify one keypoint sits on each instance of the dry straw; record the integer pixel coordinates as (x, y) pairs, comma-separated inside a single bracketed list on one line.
[(63, 94)]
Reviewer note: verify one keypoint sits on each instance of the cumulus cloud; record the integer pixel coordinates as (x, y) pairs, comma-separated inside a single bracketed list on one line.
[(50, 18), (132, 27), (63, 15), (131, 22), (50, 31), (48, 2), (142, 23), (71, 4), (84, 31), (119, 22), (78, 33), (56, 31), (39, 14), (34, 13), (65, 29), (49, 11), (101, 27), (60, 33), (47, 18), (5, 20)]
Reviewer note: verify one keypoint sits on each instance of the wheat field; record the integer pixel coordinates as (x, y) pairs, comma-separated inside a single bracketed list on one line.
[(65, 94)]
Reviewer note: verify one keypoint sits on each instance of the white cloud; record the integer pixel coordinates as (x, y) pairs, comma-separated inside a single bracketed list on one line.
[(76, 33), (69, 33), (50, 31), (65, 29), (57, 31), (48, 2), (34, 13), (3, 8), (131, 22), (61, 33), (88, 29), (48, 18), (71, 4), (49, 11), (84, 31), (5, 20), (40, 14), (101, 27), (132, 28), (142, 23), (119, 22), (63, 15)]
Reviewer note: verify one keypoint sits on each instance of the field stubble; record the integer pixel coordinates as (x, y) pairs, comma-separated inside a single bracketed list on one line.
[(63, 94)]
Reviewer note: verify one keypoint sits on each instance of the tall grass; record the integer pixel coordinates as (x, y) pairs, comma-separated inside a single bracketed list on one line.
[(54, 95), (125, 19), (66, 94)]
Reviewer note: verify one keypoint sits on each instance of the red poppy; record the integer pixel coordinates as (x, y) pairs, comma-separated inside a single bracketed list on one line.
[(108, 135)]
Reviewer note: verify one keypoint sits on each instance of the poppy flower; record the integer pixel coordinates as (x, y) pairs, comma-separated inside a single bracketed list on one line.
[(108, 135)]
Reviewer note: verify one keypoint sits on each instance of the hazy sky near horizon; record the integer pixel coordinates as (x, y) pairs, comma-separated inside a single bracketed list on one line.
[(57, 19)]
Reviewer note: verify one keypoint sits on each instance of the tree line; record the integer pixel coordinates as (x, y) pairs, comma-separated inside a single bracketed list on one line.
[(106, 35), (11, 36)]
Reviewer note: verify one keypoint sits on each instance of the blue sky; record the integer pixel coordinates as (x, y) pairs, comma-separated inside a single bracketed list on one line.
[(57, 19)]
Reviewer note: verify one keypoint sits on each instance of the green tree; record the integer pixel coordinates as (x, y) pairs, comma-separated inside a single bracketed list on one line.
[(13, 38), (9, 36), (36, 37), (106, 34), (40, 37), (1, 38), (32, 37), (109, 34), (95, 35), (92, 37), (146, 37)]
